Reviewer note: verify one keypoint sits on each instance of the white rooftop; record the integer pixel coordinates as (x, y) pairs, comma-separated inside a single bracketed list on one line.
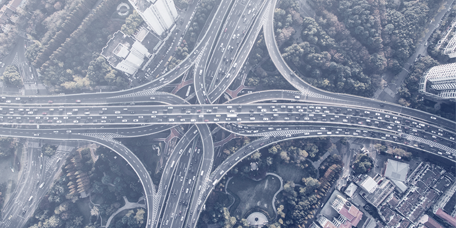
[(396, 170), (369, 184)]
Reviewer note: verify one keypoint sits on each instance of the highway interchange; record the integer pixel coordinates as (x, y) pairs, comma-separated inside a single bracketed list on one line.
[(189, 176)]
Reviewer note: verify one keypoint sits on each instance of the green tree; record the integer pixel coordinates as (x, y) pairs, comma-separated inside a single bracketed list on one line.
[(49, 150), (12, 77), (362, 164), (132, 22)]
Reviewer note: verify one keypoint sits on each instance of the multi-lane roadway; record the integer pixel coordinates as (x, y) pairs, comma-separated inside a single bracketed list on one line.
[(216, 60)]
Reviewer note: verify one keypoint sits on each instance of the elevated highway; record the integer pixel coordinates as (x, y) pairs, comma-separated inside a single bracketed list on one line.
[(274, 115)]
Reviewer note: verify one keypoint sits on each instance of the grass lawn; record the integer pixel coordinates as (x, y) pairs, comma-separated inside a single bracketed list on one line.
[(289, 172), (252, 194)]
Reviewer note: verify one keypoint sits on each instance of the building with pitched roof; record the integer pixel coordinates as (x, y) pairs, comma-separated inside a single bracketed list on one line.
[(396, 170)]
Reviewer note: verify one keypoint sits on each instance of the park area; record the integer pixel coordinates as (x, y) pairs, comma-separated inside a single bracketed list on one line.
[(251, 195)]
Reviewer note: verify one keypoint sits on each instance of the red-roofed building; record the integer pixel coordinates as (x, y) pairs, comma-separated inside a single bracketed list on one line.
[(429, 222), (446, 217), (350, 214), (325, 223)]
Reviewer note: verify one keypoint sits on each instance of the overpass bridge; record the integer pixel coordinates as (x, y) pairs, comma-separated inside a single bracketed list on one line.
[(273, 116)]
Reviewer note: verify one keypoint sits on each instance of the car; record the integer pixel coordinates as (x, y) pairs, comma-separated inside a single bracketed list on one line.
[(50, 101), (78, 101), (226, 29)]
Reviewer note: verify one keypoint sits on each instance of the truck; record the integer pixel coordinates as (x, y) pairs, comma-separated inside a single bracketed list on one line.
[(231, 115), (30, 199), (41, 185), (172, 164)]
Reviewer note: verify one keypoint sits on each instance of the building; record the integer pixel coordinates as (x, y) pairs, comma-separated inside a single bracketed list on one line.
[(7, 10), (368, 184), (351, 189), (448, 218), (324, 222), (125, 53), (429, 222), (396, 170), (350, 215), (439, 82), (382, 190), (450, 49), (159, 15)]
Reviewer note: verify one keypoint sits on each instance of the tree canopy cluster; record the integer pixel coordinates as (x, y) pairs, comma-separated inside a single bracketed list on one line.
[(110, 180), (350, 43), (180, 54), (8, 40), (199, 19), (68, 41), (132, 23), (362, 164), (302, 200), (134, 218), (48, 149), (11, 76), (7, 146)]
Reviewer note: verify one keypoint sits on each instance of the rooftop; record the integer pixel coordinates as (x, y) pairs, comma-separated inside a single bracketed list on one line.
[(369, 184), (429, 222), (446, 217), (384, 189), (396, 170), (140, 5), (351, 189)]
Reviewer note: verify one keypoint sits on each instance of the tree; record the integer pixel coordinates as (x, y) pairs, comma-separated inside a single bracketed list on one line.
[(12, 77), (132, 22), (284, 156), (140, 216), (7, 146), (49, 150), (362, 164), (94, 211), (311, 184), (256, 155)]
